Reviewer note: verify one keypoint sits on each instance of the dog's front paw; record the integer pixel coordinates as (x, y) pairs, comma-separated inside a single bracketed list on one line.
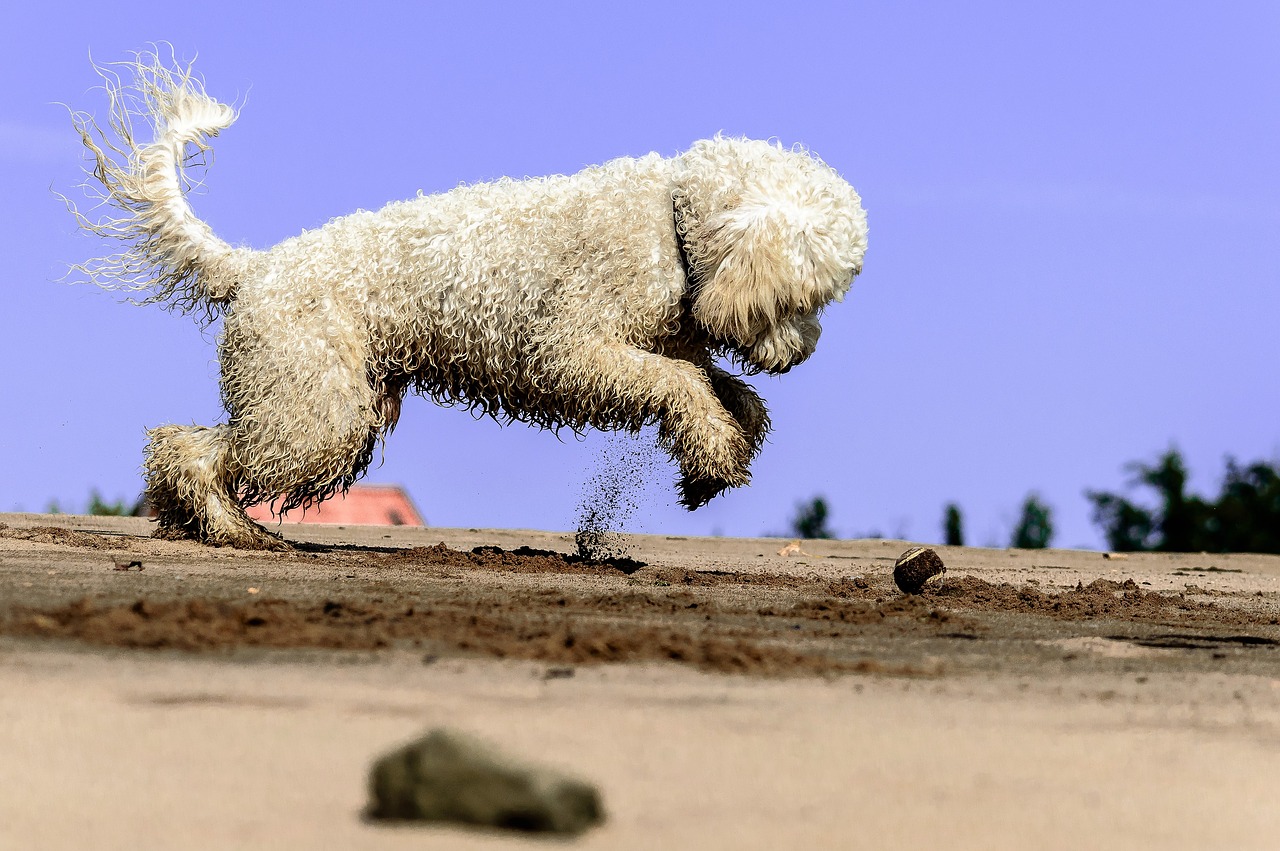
[(753, 417), (744, 405), (697, 492)]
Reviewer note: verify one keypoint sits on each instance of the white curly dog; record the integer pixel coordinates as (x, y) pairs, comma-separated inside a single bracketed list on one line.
[(600, 299)]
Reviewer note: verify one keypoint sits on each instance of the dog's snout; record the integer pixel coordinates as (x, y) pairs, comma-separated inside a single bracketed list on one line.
[(787, 366)]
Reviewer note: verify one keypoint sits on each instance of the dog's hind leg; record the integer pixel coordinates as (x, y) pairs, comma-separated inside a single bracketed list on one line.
[(619, 385), (304, 414), (192, 487)]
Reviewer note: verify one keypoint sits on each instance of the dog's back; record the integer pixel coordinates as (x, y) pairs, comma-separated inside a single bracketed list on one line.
[(457, 288)]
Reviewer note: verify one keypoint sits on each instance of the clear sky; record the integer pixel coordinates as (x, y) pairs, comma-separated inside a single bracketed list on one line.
[(1073, 256)]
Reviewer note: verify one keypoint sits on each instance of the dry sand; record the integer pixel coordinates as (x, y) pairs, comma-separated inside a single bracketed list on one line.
[(721, 695)]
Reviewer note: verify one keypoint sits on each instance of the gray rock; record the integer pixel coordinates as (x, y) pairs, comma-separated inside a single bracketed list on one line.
[(451, 777)]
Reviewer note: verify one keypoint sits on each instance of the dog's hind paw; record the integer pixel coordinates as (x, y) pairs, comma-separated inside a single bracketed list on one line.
[(254, 538)]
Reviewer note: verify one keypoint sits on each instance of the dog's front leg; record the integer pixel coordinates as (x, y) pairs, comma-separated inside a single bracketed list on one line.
[(741, 400), (616, 385)]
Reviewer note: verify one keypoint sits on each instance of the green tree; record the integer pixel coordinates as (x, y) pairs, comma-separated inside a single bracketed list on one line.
[(1244, 518), (811, 520), (1127, 527), (119, 508), (953, 526), (97, 505), (1035, 527)]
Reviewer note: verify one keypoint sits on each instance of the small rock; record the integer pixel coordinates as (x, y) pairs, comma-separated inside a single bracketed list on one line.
[(915, 567), (450, 777), (558, 673), (43, 623), (793, 549)]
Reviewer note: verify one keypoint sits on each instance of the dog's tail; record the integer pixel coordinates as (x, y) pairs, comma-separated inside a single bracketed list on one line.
[(171, 254)]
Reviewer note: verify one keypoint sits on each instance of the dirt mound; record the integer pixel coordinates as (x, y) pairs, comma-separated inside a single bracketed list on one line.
[(1100, 599), (534, 604), (65, 537), (861, 612), (519, 560), (535, 627)]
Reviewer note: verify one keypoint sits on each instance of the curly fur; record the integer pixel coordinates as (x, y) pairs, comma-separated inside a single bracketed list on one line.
[(600, 299)]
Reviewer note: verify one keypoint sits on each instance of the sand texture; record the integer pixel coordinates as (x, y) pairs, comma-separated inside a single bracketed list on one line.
[(720, 694)]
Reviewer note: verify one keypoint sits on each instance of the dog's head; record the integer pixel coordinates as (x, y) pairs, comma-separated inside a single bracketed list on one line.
[(771, 236)]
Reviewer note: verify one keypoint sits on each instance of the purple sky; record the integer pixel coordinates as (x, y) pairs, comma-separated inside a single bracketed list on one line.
[(1072, 258)]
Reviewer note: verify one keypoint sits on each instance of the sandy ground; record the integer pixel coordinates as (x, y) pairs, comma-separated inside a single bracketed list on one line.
[(165, 695)]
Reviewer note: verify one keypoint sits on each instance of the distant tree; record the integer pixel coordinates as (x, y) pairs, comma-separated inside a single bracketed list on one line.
[(119, 508), (953, 526), (99, 506), (1127, 527), (1244, 518), (1035, 527), (1247, 516), (811, 520)]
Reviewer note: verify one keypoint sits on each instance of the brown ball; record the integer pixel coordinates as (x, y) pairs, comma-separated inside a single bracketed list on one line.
[(915, 567)]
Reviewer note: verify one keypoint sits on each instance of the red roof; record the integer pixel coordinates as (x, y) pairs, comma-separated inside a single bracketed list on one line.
[(363, 505)]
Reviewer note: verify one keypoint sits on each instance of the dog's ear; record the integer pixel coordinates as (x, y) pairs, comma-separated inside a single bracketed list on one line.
[(756, 267), (769, 234)]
